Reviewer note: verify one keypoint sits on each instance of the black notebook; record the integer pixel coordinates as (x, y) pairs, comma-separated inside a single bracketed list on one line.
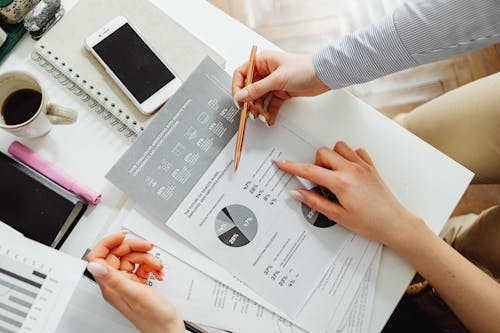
[(35, 206)]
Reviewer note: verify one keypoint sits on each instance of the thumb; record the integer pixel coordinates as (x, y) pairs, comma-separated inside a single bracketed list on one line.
[(110, 279), (259, 88)]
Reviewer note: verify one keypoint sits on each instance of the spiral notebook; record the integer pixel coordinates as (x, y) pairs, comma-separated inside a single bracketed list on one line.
[(62, 52)]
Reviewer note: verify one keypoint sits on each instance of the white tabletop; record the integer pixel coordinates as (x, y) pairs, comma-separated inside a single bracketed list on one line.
[(89, 148)]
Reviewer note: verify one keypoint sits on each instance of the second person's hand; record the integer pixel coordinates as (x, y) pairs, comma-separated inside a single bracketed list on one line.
[(366, 205), (121, 268), (278, 76)]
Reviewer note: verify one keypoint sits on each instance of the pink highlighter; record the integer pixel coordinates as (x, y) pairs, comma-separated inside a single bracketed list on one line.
[(35, 161)]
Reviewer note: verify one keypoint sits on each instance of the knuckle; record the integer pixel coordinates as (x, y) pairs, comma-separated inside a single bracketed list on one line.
[(357, 169), (342, 182), (308, 169), (253, 90), (339, 145), (322, 152), (280, 79)]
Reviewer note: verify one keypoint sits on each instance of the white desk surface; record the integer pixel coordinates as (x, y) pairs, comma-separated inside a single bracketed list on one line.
[(88, 148)]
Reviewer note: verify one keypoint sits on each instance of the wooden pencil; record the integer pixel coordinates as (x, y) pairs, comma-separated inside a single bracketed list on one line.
[(244, 110)]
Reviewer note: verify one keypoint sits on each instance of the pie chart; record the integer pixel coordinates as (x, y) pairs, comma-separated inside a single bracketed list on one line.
[(236, 225), (313, 216)]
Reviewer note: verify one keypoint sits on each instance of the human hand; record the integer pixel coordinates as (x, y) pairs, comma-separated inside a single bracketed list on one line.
[(113, 264), (366, 206), (278, 76)]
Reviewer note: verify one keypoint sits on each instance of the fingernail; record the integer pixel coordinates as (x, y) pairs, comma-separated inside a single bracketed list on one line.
[(251, 116), (296, 195), (97, 270), (236, 103), (262, 118), (275, 160), (124, 232), (241, 95)]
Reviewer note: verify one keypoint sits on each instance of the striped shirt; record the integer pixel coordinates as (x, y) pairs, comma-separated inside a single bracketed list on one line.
[(416, 33)]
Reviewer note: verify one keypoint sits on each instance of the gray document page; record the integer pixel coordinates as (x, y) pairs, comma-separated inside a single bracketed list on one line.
[(182, 141)]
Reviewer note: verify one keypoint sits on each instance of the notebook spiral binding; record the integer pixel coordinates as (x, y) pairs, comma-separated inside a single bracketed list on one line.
[(63, 74)]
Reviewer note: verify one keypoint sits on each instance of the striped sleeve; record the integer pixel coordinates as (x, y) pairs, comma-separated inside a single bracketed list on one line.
[(416, 33)]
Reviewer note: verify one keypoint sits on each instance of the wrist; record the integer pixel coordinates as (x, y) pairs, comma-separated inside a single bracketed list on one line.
[(412, 234), (177, 326), (172, 324)]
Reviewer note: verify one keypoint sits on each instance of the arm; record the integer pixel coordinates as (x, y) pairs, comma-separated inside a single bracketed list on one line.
[(467, 290), (416, 33), (366, 206)]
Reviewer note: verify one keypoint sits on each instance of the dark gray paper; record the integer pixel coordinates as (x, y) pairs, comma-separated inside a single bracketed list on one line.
[(176, 149)]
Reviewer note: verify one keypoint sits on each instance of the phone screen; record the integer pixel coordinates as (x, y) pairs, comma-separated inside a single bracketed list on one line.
[(133, 62)]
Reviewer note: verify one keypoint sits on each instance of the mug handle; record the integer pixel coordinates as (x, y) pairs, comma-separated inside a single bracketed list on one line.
[(60, 115)]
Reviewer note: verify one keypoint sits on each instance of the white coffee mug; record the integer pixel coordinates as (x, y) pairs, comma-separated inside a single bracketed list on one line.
[(43, 118)]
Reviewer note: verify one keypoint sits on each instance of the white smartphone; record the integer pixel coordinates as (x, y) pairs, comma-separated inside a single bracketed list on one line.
[(133, 64)]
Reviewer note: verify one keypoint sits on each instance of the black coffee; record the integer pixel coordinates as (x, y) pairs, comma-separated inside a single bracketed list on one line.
[(20, 106)]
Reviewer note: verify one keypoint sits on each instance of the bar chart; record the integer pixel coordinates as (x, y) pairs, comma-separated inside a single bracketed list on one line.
[(36, 283), (20, 288)]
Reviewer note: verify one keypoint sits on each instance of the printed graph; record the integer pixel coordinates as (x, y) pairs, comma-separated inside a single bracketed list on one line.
[(313, 217), (20, 289), (236, 225)]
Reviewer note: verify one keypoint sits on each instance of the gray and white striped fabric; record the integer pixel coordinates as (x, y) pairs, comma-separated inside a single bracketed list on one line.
[(415, 33)]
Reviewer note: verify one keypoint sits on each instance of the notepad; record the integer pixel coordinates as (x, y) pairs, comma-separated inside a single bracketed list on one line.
[(62, 52)]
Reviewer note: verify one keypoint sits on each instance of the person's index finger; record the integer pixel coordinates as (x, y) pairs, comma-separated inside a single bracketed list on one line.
[(102, 249), (146, 259), (132, 245), (314, 173)]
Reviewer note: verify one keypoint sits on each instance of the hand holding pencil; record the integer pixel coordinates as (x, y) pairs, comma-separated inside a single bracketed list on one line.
[(278, 76)]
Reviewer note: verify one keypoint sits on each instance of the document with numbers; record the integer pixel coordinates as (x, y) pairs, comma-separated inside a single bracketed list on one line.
[(36, 283), (180, 170)]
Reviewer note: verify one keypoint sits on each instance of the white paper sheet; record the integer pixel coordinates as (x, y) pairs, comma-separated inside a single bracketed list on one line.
[(36, 283), (202, 299), (331, 288), (357, 320), (88, 312)]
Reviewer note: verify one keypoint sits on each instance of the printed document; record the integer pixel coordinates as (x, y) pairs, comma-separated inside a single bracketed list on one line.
[(36, 283), (191, 288), (180, 171)]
